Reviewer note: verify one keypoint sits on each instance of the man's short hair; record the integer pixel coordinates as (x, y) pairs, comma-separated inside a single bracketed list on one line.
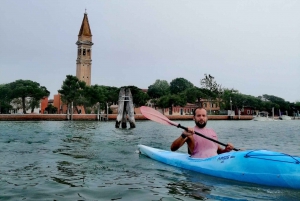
[(198, 108)]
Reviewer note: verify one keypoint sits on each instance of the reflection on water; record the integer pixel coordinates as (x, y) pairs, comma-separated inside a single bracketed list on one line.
[(95, 161), (70, 174), (188, 189)]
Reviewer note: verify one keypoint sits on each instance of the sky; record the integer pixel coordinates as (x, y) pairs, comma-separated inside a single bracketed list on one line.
[(252, 46)]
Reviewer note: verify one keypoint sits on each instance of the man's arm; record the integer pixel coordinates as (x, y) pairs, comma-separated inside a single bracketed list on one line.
[(178, 142), (186, 136)]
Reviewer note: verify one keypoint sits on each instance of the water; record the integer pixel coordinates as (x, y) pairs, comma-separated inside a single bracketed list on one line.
[(83, 160)]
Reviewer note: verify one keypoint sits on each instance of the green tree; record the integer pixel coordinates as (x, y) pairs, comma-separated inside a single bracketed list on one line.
[(5, 98), (239, 100), (51, 109), (226, 96), (72, 91), (208, 82), (295, 108), (158, 89), (90, 96), (106, 94), (252, 101), (34, 103), (94, 94), (283, 105), (267, 106), (196, 94), (214, 90), (111, 94), (168, 101), (27, 88), (139, 97), (179, 85)]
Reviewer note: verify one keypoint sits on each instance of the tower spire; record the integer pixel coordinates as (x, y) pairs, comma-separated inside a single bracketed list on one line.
[(85, 29)]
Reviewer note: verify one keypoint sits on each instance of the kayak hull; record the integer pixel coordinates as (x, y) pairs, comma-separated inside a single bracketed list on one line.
[(254, 166)]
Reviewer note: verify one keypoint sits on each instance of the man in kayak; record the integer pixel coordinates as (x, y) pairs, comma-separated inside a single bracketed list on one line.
[(198, 146)]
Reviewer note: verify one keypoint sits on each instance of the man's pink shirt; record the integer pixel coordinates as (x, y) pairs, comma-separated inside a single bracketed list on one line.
[(204, 148)]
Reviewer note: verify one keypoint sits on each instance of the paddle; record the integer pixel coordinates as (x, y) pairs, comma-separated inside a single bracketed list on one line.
[(156, 116)]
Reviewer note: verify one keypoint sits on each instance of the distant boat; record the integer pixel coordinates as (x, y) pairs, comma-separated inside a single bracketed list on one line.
[(284, 117), (262, 116)]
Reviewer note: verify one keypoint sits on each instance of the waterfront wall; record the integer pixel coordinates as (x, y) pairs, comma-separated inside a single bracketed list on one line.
[(111, 117)]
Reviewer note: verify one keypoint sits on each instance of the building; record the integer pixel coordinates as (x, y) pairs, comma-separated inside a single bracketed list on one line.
[(44, 105), (17, 107), (247, 110), (84, 52), (211, 105), (61, 108), (177, 110)]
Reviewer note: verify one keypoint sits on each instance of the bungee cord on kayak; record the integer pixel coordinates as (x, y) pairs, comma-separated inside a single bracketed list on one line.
[(281, 157)]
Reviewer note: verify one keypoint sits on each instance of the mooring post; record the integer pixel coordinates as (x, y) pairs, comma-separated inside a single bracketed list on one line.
[(98, 117), (124, 119), (72, 111), (106, 111), (68, 111)]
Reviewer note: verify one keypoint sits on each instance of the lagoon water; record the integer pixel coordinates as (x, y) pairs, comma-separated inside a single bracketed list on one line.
[(85, 160)]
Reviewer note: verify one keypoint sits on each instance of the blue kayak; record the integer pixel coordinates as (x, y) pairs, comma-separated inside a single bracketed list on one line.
[(254, 166)]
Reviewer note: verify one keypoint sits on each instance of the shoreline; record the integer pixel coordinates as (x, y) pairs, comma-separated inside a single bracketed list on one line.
[(102, 117)]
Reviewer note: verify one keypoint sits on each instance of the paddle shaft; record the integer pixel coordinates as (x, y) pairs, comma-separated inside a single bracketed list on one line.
[(185, 128)]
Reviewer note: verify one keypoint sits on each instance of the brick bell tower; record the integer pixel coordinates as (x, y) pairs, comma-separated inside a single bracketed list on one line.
[(84, 52)]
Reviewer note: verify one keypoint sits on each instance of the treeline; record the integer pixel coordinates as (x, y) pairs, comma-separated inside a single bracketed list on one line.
[(77, 92), (25, 94), (180, 92), (161, 94)]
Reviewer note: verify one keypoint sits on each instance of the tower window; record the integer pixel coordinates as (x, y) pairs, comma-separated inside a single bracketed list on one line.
[(79, 51), (88, 52), (83, 52)]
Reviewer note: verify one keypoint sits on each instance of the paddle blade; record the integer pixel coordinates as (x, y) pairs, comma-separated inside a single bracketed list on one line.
[(156, 116)]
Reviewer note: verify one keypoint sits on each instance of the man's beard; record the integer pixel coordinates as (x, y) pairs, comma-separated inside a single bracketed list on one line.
[(200, 125)]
